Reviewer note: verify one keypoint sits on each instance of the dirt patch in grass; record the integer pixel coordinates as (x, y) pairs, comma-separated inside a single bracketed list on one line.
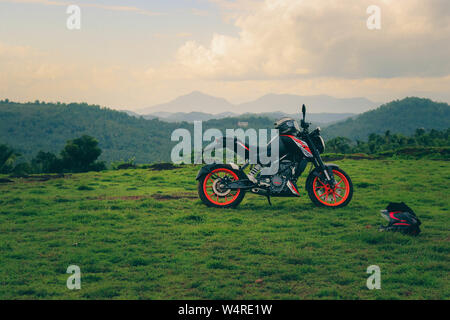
[(156, 196), (47, 177), (353, 156), (162, 166), (174, 196), (38, 178), (125, 166), (122, 198)]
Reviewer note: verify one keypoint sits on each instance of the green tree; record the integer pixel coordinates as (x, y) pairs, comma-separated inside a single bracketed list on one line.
[(7, 158), (80, 155), (46, 162), (339, 145), (21, 170), (420, 132)]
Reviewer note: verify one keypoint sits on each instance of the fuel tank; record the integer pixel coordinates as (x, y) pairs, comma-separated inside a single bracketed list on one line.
[(294, 147), (290, 148)]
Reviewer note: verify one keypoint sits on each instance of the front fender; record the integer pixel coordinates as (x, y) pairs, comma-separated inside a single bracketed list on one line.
[(316, 172), (211, 167)]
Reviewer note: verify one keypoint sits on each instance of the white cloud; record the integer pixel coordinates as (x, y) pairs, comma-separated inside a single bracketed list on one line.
[(305, 38)]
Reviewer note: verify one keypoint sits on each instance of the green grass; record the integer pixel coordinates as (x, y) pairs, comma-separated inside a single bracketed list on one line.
[(132, 241)]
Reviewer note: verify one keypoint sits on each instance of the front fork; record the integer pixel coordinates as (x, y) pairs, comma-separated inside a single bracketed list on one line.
[(327, 171), (329, 176)]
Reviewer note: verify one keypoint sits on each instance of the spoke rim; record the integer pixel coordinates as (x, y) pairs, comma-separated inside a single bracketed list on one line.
[(333, 196), (211, 195)]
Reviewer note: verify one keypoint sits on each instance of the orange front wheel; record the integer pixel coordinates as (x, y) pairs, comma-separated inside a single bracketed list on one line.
[(322, 194)]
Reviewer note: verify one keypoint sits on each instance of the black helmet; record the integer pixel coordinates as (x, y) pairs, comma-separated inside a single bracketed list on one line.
[(287, 126), (401, 218)]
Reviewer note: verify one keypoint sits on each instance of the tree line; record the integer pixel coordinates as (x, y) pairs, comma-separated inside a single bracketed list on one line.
[(78, 155), (81, 154), (378, 143)]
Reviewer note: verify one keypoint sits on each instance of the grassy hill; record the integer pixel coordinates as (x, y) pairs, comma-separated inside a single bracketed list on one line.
[(141, 234), (400, 116)]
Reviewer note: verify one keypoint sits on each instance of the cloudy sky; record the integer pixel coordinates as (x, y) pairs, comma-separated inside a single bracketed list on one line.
[(137, 53)]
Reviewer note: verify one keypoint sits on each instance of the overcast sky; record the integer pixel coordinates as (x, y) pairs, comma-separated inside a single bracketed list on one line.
[(136, 53)]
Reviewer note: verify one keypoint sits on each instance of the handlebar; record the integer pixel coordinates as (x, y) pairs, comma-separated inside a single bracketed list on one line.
[(305, 125), (305, 130)]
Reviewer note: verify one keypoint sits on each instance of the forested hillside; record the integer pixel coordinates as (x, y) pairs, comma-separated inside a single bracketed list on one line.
[(399, 116), (32, 127)]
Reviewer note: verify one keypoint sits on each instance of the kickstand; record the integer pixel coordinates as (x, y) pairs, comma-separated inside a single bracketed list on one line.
[(268, 199)]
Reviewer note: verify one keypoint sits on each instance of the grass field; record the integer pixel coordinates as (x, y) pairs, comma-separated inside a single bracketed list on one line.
[(142, 234)]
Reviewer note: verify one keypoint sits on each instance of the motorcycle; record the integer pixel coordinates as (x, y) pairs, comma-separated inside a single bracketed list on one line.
[(327, 185)]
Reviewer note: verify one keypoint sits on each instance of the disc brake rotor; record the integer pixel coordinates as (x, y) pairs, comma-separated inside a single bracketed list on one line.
[(217, 190)]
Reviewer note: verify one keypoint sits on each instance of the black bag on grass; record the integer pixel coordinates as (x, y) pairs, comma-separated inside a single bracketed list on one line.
[(401, 218)]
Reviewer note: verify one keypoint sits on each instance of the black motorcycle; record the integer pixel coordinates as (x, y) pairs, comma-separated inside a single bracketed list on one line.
[(225, 185)]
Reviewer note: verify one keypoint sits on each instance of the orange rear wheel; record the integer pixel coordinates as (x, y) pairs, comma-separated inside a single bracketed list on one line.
[(212, 192)]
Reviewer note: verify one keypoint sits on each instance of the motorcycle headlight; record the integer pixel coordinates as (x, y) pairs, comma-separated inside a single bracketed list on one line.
[(320, 144), (323, 145)]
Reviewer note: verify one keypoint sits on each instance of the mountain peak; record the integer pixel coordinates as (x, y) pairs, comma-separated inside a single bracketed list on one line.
[(195, 101), (197, 93)]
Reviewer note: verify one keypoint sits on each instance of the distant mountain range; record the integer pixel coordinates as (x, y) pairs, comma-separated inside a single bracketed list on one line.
[(286, 103), (188, 116), (319, 118)]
